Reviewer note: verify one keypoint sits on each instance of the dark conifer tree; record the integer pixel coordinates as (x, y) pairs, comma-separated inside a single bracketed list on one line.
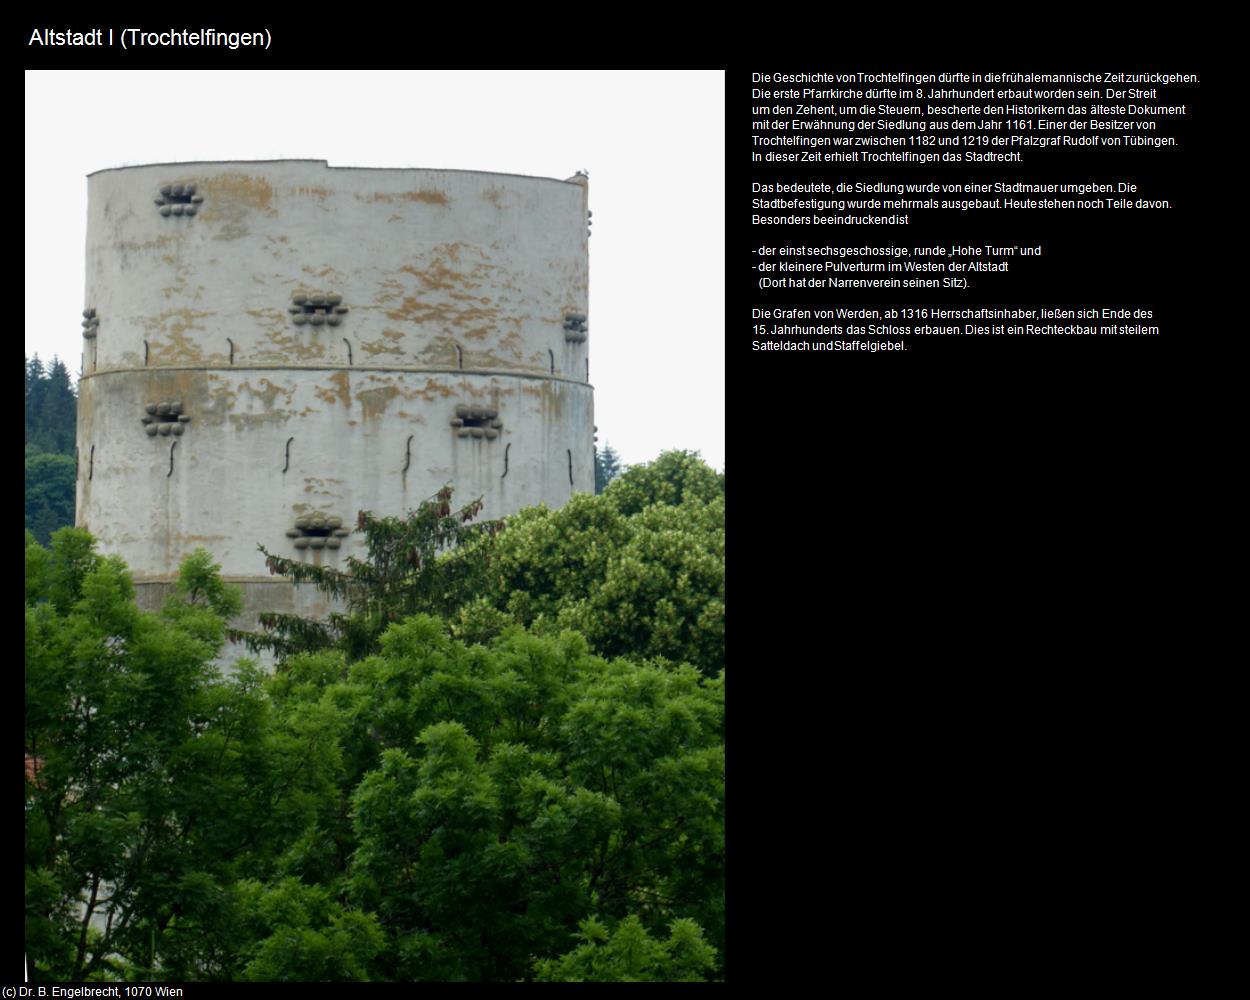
[(51, 428), (607, 467)]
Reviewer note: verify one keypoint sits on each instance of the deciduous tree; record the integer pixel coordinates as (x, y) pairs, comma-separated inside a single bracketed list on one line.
[(157, 782), (639, 570)]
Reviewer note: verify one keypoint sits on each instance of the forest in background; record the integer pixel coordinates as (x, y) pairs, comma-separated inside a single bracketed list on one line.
[(51, 466)]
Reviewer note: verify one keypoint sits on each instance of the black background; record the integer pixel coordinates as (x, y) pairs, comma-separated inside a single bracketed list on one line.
[(964, 571)]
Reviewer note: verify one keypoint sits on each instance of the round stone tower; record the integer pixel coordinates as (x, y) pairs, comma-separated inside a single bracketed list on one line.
[(271, 347)]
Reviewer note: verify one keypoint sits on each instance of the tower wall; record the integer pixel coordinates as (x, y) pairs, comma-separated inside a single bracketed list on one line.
[(449, 345)]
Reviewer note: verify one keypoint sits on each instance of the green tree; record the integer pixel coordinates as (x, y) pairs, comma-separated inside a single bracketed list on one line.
[(50, 485), (292, 932), (639, 570), (408, 798), (51, 407), (607, 467), (435, 810), (58, 414), (673, 479), (51, 468), (631, 955), (36, 380), (400, 575), (499, 794), (155, 781)]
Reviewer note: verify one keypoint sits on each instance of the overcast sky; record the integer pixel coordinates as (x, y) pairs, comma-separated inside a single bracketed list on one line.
[(653, 143)]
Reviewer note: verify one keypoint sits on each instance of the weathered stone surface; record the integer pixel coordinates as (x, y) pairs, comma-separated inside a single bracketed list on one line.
[(459, 284)]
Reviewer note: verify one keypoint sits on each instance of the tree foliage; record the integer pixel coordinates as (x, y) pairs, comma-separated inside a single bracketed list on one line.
[(400, 575), (639, 570), (630, 955), (501, 794), (155, 782), (50, 481), (51, 407), (607, 467), (483, 795), (51, 469)]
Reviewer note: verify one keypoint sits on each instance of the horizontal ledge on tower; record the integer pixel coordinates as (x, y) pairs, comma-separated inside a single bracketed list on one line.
[(537, 374)]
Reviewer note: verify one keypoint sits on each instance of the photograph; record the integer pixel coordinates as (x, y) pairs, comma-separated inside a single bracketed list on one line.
[(375, 525)]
